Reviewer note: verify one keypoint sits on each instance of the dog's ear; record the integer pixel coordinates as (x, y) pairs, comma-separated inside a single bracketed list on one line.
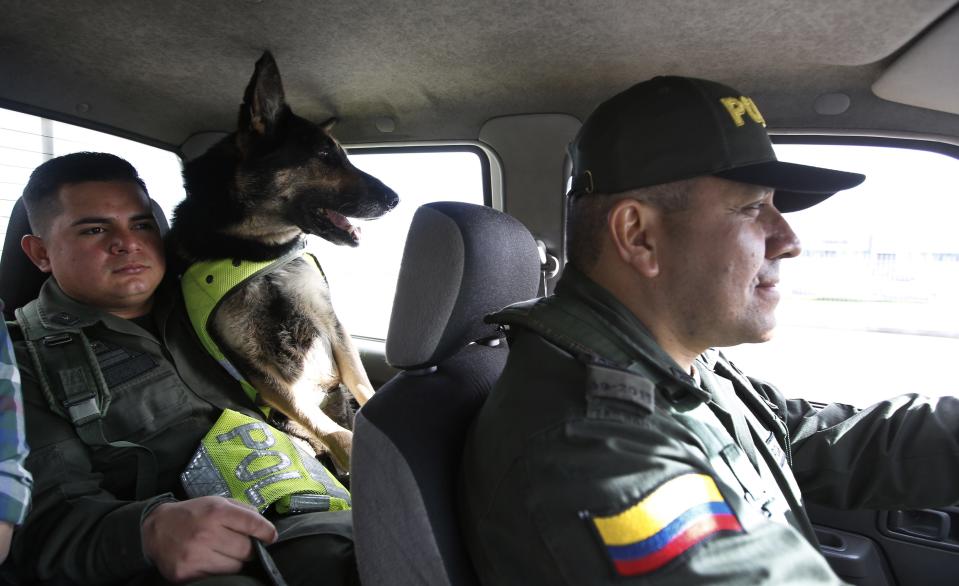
[(263, 102)]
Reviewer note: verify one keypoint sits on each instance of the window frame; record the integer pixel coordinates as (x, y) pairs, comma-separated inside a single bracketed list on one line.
[(490, 166), (89, 124), (942, 147)]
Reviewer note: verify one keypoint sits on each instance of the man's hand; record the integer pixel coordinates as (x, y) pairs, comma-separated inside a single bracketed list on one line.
[(202, 536), (6, 532)]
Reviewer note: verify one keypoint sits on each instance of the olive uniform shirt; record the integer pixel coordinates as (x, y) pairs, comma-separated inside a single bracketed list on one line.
[(166, 393), (596, 459)]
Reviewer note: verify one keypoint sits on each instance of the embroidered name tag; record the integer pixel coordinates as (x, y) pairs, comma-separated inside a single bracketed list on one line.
[(603, 382)]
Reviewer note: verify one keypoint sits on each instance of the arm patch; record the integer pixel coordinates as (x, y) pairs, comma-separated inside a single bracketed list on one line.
[(675, 517)]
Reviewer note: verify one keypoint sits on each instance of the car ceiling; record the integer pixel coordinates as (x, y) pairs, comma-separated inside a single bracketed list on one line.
[(162, 71)]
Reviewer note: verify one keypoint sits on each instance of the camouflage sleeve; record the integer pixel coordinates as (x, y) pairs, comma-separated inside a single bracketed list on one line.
[(15, 480)]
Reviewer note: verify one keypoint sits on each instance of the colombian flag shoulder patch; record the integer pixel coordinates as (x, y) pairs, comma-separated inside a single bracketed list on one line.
[(675, 517)]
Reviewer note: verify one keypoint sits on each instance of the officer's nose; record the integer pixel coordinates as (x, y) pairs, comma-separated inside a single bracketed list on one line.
[(781, 241), (124, 242)]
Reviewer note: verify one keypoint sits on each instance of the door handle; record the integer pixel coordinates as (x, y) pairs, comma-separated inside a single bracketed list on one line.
[(924, 524)]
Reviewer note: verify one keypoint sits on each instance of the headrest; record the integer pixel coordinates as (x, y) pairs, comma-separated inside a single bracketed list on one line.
[(461, 262), (20, 279)]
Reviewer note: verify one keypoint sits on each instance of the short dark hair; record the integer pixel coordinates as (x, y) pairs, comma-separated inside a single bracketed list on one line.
[(587, 214), (40, 194)]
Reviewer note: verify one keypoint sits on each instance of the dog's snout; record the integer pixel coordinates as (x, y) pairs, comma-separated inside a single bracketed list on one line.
[(393, 200)]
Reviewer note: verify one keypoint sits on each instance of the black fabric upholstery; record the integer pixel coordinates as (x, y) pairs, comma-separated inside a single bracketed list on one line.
[(409, 436), (426, 418), (20, 279), (500, 265)]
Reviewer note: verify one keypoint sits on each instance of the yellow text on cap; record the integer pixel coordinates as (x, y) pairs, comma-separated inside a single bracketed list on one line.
[(742, 105)]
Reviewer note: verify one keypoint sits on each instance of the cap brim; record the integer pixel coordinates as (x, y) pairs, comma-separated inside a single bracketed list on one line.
[(797, 186)]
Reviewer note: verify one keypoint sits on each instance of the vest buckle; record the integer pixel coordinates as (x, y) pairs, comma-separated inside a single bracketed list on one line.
[(57, 340)]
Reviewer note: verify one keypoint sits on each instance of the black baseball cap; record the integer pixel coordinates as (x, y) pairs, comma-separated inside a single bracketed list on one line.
[(672, 128)]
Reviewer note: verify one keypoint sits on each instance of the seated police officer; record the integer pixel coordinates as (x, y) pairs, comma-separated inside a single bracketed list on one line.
[(618, 446), (120, 400)]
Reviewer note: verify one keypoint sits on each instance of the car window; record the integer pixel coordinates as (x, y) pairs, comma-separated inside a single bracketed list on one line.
[(363, 279), (27, 141), (868, 310)]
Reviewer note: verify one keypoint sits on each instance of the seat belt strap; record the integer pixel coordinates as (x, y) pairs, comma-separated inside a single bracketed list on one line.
[(74, 387)]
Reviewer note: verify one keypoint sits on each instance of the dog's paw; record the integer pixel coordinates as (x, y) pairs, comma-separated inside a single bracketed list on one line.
[(339, 444)]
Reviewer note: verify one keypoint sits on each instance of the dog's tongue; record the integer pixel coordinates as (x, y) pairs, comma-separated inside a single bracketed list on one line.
[(340, 221)]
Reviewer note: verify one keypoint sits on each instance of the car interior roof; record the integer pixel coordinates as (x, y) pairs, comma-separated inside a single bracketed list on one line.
[(439, 70)]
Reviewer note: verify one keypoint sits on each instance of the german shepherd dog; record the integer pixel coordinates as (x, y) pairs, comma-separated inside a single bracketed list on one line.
[(252, 197)]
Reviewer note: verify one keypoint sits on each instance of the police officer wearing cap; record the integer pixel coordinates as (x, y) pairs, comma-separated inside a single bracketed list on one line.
[(619, 445)]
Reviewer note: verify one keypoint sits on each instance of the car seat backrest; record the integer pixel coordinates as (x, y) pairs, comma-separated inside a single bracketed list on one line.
[(20, 279), (461, 262)]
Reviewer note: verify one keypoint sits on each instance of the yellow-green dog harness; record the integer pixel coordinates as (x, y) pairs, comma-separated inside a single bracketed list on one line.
[(207, 283)]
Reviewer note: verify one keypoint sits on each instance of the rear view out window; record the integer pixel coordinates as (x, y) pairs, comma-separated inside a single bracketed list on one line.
[(363, 279), (27, 141), (869, 310)]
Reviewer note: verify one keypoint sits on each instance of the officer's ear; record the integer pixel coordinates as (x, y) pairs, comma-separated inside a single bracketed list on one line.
[(36, 251), (632, 228)]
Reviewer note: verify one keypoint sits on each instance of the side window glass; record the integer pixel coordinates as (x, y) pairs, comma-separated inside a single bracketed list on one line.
[(869, 309), (27, 141), (363, 279)]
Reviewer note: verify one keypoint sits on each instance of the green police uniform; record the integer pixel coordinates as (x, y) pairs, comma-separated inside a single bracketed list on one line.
[(165, 395), (596, 459)]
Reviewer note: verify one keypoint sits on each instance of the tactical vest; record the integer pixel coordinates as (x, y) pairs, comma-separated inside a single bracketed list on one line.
[(206, 284), (74, 387), (615, 380)]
